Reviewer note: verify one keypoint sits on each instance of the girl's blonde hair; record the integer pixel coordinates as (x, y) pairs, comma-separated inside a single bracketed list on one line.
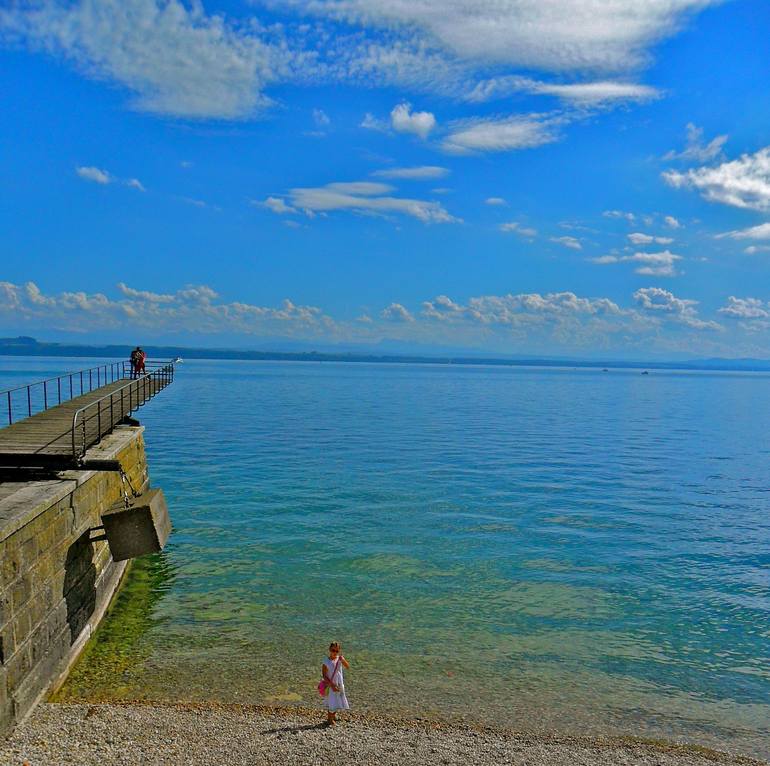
[(335, 645)]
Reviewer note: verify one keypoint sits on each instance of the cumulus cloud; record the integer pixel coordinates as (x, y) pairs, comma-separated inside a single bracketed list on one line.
[(404, 120), (195, 308), (655, 264), (697, 150), (573, 243), (672, 222), (396, 313), (90, 173), (502, 135), (175, 58), (416, 173), (658, 301), (369, 198), (743, 183), (637, 238), (514, 226), (745, 308)]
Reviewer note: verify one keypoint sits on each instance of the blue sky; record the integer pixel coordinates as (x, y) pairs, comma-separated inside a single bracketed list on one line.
[(583, 177)]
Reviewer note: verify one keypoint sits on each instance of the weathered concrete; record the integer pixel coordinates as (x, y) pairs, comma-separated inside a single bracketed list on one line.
[(55, 583)]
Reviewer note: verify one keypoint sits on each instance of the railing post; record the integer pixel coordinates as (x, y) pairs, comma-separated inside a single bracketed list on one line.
[(58, 387), (45, 395), (29, 401), (99, 420), (81, 382), (10, 411), (70, 385), (90, 380)]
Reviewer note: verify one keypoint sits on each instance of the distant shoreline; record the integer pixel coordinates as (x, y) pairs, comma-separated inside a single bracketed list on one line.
[(24, 346)]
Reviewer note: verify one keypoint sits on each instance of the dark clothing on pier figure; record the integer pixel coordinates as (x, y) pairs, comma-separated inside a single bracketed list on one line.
[(137, 362)]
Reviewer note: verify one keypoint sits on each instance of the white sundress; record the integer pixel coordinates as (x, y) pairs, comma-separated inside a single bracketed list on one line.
[(335, 700)]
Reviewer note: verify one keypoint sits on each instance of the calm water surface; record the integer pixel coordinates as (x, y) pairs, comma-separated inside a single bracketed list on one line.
[(537, 548)]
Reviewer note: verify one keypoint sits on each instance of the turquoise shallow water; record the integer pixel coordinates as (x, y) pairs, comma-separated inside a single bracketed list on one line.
[(539, 548)]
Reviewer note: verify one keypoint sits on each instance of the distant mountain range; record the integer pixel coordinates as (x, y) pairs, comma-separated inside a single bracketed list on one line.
[(26, 346)]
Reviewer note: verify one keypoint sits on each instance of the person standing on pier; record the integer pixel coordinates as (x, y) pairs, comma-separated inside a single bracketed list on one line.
[(137, 362)]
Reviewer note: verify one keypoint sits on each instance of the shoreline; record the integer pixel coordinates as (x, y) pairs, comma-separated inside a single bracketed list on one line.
[(131, 732)]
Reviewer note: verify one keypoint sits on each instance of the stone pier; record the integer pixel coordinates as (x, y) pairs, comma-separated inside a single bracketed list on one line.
[(55, 583)]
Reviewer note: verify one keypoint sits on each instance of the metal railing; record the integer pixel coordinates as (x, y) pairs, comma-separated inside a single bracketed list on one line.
[(96, 419), (24, 401)]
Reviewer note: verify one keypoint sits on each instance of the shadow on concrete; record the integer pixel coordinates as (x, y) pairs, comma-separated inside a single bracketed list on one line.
[(80, 584)]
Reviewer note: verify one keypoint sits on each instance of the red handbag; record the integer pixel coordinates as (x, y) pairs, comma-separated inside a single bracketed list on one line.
[(325, 683)]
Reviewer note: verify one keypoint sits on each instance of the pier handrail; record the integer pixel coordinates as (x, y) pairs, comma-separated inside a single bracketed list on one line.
[(61, 388), (54, 390), (128, 398)]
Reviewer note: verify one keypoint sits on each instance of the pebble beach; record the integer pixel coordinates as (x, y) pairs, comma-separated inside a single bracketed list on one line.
[(206, 734)]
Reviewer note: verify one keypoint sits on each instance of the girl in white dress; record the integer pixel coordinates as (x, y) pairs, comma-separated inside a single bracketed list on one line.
[(331, 670)]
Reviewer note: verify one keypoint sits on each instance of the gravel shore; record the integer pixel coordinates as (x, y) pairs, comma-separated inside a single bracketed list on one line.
[(207, 734)]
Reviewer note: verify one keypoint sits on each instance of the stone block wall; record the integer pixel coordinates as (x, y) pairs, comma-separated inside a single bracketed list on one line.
[(55, 583)]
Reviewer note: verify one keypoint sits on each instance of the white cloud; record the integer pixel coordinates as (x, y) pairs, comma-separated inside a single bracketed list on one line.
[(495, 201), (404, 120), (321, 118), (603, 260), (96, 175), (416, 173), (630, 217), (370, 122), (135, 183), (592, 93), (175, 58), (658, 301), (524, 231), (696, 150), (195, 308), (637, 238), (501, 135), (743, 183), (573, 243), (655, 264), (553, 35), (276, 204), (762, 231), (754, 249), (672, 222), (745, 308), (396, 313), (367, 197)]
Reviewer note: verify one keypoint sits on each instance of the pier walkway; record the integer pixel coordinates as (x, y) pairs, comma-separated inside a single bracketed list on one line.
[(53, 423)]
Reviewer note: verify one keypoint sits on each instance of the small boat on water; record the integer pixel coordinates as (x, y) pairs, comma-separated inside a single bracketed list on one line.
[(644, 372)]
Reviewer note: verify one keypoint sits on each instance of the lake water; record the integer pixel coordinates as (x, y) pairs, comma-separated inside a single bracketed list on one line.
[(536, 548)]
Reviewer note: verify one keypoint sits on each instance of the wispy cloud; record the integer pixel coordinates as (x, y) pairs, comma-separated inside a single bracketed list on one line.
[(762, 231), (174, 57), (502, 135), (573, 243), (495, 201), (415, 173), (581, 94), (369, 198), (697, 150), (516, 227)]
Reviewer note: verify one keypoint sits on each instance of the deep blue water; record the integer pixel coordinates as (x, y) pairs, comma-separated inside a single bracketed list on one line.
[(538, 548)]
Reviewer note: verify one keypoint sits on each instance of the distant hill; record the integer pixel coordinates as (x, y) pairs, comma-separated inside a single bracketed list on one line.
[(27, 346)]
